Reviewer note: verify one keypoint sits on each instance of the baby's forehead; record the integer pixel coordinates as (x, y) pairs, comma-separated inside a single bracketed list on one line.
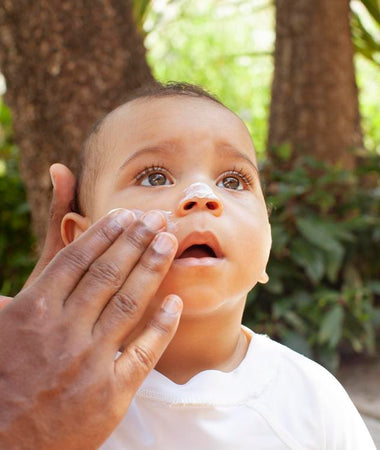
[(174, 118)]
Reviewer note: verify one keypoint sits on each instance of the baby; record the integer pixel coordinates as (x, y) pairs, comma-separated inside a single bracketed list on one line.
[(177, 150)]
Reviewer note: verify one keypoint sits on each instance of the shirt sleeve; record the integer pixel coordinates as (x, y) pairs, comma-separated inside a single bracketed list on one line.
[(344, 427)]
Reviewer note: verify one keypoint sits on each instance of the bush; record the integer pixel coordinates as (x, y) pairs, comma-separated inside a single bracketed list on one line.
[(323, 295), (16, 241)]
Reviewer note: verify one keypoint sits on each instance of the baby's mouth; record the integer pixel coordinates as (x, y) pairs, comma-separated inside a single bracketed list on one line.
[(198, 251), (199, 245)]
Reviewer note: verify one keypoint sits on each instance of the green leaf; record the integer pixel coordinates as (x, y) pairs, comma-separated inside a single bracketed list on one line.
[(321, 234), (295, 321), (298, 301), (334, 259), (309, 258), (330, 331), (364, 41), (373, 7)]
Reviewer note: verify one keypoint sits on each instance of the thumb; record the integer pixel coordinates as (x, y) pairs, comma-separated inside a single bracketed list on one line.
[(63, 196), (4, 301), (140, 357)]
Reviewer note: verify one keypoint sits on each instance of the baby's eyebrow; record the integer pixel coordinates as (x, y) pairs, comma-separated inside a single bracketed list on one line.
[(233, 153), (162, 149), (225, 150)]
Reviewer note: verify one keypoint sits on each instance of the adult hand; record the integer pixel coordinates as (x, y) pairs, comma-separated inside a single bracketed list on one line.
[(4, 300), (63, 195), (60, 385)]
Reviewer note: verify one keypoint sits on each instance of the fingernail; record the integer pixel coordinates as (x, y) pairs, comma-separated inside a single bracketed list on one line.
[(154, 220), (123, 216), (163, 243), (172, 305), (52, 178)]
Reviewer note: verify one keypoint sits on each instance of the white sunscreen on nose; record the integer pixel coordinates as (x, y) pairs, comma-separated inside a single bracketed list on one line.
[(198, 190)]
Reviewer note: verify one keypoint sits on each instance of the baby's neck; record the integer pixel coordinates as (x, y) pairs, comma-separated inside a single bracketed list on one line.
[(213, 342)]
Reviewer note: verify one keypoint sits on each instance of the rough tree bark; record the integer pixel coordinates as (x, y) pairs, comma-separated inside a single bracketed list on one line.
[(65, 63), (314, 105)]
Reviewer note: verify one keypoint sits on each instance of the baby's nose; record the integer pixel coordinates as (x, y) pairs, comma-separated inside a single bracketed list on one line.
[(199, 196)]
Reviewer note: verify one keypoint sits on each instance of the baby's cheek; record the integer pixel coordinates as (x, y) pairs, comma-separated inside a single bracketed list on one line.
[(257, 247), (267, 241)]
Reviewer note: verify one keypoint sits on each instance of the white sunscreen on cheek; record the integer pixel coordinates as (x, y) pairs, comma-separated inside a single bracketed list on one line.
[(171, 223)]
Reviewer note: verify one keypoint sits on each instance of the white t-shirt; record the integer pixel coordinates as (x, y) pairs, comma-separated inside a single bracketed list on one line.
[(275, 399)]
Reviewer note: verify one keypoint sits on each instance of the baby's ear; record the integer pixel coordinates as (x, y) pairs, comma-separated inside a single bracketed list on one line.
[(72, 226)]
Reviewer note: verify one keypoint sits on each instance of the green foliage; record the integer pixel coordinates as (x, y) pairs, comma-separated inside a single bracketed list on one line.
[(368, 79), (323, 297), (373, 7), (16, 242), (365, 25)]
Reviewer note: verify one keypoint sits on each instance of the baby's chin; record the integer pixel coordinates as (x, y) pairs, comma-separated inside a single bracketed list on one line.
[(202, 300)]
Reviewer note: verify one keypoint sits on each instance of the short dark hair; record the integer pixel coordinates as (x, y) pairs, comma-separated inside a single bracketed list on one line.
[(91, 158)]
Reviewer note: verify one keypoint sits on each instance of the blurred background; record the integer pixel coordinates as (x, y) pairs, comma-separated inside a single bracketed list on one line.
[(303, 75)]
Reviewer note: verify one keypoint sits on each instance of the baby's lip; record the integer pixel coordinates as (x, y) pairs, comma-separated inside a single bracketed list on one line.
[(200, 238)]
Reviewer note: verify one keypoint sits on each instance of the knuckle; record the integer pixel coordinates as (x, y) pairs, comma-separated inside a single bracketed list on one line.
[(107, 232), (107, 272), (139, 237), (75, 257), (125, 303), (144, 356), (161, 327), (153, 262)]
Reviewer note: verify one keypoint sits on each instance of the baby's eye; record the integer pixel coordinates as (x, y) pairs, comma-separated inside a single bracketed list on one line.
[(152, 176), (154, 179), (231, 182)]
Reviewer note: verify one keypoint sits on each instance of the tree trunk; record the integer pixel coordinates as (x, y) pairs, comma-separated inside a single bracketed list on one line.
[(314, 106), (66, 63)]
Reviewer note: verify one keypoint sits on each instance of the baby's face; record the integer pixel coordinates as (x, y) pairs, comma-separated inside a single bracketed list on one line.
[(195, 160)]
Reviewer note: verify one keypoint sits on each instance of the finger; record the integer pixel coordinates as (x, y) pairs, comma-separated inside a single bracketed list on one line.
[(140, 357), (126, 307), (108, 273), (63, 196), (71, 263), (4, 301)]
